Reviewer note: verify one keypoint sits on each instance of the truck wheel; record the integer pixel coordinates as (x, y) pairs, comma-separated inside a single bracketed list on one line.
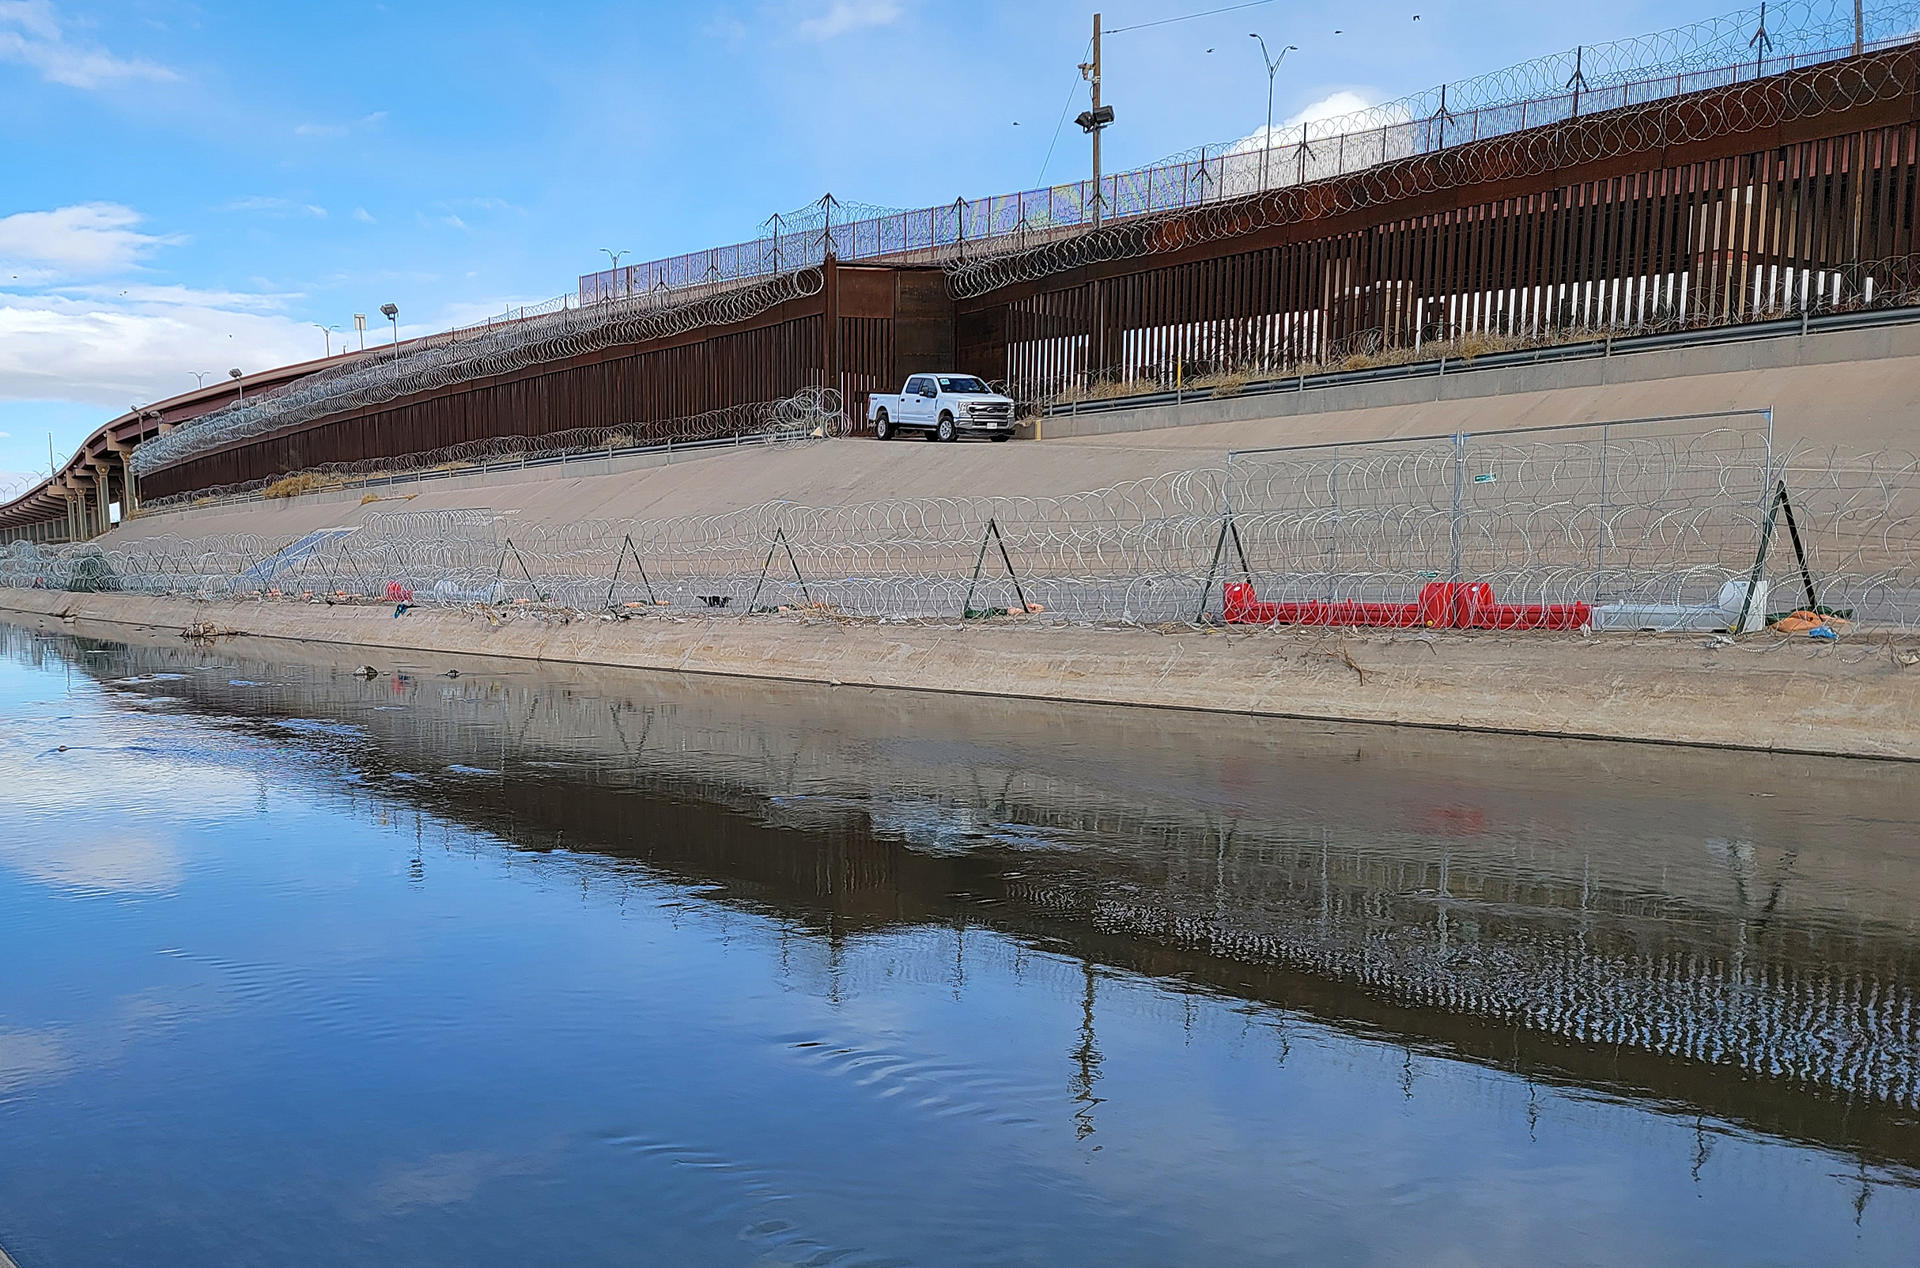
[(946, 430), (882, 426)]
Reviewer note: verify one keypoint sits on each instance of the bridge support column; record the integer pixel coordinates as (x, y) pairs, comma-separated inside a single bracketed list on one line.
[(103, 483)]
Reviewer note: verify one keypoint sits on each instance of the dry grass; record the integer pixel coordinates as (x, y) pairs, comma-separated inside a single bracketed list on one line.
[(294, 485), (1368, 356), (1223, 382), (1108, 390)]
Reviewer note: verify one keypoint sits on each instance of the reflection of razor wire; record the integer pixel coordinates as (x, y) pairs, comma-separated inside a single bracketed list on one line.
[(1644, 517), (428, 365)]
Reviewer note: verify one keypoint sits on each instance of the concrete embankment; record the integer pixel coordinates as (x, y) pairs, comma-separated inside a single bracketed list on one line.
[(1851, 389), (1856, 698)]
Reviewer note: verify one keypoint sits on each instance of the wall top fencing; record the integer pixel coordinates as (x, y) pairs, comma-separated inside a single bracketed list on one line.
[(1744, 45)]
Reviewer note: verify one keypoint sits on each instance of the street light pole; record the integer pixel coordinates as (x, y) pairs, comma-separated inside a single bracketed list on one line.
[(392, 313), (1273, 68), (613, 255), (326, 333)]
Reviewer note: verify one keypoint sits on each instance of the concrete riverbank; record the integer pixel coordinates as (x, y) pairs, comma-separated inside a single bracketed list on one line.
[(1765, 693)]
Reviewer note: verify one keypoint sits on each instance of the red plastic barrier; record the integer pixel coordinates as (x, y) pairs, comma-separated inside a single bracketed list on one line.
[(1465, 605)]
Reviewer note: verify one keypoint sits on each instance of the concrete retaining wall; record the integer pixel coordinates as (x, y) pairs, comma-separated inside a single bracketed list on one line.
[(1764, 693)]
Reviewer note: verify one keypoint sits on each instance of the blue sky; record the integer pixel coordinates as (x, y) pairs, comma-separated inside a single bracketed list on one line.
[(189, 186)]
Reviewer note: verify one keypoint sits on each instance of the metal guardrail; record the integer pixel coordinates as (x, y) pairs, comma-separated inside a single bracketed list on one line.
[(1583, 351)]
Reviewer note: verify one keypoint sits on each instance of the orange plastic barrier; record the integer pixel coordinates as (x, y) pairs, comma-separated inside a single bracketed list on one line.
[(1466, 605)]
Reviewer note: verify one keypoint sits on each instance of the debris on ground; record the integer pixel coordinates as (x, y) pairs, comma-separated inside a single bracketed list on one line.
[(206, 632), (1816, 624)]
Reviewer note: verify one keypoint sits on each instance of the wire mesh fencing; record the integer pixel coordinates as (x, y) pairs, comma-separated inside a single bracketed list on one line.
[(1687, 523)]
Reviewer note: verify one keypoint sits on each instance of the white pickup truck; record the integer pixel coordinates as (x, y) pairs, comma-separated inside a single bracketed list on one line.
[(942, 406)]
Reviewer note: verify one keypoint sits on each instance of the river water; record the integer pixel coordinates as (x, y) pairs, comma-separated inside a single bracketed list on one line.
[(542, 965)]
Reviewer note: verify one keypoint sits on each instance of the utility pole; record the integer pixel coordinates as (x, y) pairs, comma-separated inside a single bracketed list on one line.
[(1095, 81), (1092, 121), (1859, 30)]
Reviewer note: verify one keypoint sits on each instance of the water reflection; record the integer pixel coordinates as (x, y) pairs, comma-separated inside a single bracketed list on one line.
[(1726, 941)]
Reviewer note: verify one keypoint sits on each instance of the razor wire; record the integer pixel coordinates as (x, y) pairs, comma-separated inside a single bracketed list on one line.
[(1313, 179), (1227, 356), (460, 356), (1649, 525), (811, 413), (988, 242), (1796, 70)]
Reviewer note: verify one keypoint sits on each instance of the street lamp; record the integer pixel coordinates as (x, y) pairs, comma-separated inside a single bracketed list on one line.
[(613, 255), (199, 377), (1273, 68), (392, 313), (326, 332), (239, 387)]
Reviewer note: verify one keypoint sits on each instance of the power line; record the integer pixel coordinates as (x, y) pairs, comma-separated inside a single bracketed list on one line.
[(1071, 93), (1186, 17)]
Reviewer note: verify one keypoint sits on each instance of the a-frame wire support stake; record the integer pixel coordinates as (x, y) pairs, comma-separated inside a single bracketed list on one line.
[(1781, 504), (333, 574), (526, 572), (626, 548), (1227, 528), (779, 540), (992, 530)]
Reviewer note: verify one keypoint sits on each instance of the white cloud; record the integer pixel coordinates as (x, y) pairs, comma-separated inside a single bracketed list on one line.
[(263, 301), (1334, 105), (849, 15), (271, 206), (373, 120), (723, 27), (97, 347), (1331, 106), (31, 35), (364, 216), (81, 240)]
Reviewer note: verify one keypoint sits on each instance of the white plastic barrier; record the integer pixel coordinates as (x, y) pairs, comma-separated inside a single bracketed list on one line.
[(1720, 615)]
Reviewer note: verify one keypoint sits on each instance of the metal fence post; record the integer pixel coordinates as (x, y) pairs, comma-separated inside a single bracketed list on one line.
[(1333, 546), (1600, 536), (1459, 481)]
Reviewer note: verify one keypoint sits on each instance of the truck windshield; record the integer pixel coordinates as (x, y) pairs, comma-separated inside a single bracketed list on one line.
[(962, 383)]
